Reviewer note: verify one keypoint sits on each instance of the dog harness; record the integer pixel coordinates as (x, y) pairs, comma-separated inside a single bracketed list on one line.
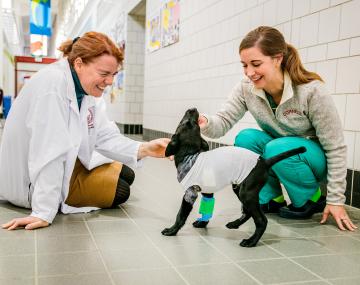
[(215, 169)]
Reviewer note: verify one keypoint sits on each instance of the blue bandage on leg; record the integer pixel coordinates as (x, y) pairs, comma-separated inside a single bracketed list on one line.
[(206, 208)]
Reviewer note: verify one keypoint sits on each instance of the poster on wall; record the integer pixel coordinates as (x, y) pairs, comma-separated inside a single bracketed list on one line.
[(153, 30), (117, 87), (170, 16)]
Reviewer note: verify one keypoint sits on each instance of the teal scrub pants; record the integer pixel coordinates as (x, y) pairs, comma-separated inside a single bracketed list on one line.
[(300, 174)]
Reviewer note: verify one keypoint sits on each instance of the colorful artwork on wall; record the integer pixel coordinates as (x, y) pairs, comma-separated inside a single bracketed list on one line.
[(153, 30), (162, 29), (170, 16)]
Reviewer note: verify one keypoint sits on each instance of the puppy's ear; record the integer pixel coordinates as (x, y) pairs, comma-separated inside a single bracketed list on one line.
[(204, 145), (172, 147)]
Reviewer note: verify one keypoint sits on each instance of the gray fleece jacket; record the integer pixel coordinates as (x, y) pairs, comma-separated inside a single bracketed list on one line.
[(306, 110)]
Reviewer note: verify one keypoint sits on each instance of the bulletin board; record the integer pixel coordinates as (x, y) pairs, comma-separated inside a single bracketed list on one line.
[(25, 67)]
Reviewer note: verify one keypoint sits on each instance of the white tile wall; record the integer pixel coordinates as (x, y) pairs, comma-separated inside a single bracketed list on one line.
[(327, 70), (309, 26), (355, 46), (338, 49), (270, 13), (349, 138), (350, 20), (357, 152), (284, 11), (340, 103), (348, 79), (352, 122), (317, 5), (316, 53), (329, 24), (301, 8)]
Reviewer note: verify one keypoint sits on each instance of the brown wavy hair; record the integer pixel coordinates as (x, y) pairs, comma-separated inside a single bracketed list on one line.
[(272, 43), (90, 46)]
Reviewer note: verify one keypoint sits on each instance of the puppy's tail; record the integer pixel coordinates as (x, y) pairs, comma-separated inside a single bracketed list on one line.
[(272, 160)]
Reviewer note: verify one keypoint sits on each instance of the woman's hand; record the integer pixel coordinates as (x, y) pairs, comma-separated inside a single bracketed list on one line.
[(30, 223), (202, 121), (154, 148), (341, 217)]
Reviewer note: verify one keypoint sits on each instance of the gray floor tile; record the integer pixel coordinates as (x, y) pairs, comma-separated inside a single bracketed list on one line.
[(18, 233), (340, 244), (346, 281), (144, 258), (17, 281), (332, 266), (63, 228), (298, 247), (214, 274), (314, 230), (105, 215), (62, 244), (185, 237), (277, 271), (166, 276), (230, 247), (69, 218), (152, 224), (120, 241), (112, 227), (89, 279), (70, 263), (278, 232), (193, 254), (6, 207), (16, 266), (17, 246)]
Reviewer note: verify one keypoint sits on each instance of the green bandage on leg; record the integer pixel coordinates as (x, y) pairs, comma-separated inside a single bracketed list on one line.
[(206, 208), (316, 195), (279, 199)]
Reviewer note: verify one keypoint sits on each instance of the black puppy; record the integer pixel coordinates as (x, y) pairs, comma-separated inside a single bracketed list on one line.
[(188, 146)]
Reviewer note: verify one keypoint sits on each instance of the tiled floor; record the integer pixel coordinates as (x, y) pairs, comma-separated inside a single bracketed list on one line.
[(125, 246)]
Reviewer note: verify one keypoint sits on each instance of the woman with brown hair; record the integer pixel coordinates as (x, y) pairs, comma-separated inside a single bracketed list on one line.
[(59, 150), (293, 108)]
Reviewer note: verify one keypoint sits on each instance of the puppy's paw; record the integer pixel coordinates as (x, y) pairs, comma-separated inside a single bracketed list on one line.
[(248, 242), (170, 231), (234, 224), (200, 224)]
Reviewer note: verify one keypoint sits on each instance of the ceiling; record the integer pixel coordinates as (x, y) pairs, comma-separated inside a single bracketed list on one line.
[(18, 22)]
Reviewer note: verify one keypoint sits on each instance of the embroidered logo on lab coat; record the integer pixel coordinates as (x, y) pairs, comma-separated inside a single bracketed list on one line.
[(90, 118)]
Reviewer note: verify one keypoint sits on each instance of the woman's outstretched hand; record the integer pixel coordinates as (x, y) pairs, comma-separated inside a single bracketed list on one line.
[(341, 217), (154, 148), (202, 121), (29, 223)]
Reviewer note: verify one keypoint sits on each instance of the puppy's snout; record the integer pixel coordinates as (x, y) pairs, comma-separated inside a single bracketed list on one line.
[(193, 111)]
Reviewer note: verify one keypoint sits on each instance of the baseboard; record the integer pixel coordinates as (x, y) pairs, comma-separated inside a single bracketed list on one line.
[(130, 129)]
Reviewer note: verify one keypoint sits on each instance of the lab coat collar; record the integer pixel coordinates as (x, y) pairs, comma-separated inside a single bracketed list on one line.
[(70, 90)]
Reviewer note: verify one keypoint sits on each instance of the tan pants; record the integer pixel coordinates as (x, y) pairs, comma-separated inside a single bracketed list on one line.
[(94, 188)]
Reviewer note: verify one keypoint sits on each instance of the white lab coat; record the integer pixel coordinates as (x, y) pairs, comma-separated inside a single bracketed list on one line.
[(45, 133)]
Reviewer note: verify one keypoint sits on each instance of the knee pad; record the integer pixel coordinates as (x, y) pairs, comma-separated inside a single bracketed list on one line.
[(127, 174), (122, 192)]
